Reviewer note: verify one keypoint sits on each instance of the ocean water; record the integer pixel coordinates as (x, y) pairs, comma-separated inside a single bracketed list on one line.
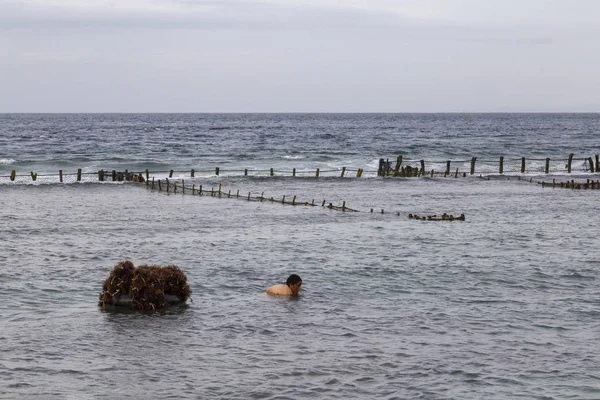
[(503, 305)]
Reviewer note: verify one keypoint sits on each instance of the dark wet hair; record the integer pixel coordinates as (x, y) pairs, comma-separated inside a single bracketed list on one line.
[(293, 279)]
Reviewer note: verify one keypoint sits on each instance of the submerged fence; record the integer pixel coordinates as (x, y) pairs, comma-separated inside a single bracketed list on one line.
[(402, 168)]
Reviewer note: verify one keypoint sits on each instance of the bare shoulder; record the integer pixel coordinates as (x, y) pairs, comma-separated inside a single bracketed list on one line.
[(281, 290)]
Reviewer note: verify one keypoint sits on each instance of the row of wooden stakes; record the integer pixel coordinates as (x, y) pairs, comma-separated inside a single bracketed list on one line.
[(589, 184), (174, 187)]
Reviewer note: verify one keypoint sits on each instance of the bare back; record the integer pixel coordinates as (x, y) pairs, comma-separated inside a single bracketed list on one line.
[(279, 290)]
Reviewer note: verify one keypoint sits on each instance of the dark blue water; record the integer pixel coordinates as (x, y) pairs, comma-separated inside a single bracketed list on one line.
[(502, 306), (47, 142)]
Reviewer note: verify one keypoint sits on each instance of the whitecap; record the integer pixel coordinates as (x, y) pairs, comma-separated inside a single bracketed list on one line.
[(7, 161)]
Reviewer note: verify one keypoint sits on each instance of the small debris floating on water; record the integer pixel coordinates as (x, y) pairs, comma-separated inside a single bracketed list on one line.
[(443, 217)]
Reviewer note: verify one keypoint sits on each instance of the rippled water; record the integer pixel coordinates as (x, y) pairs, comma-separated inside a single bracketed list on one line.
[(503, 305)]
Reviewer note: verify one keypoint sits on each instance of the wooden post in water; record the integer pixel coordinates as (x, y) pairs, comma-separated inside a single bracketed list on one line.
[(398, 164), (473, 165), (245, 171), (33, 176), (591, 162), (501, 168), (60, 175), (569, 163), (294, 200), (271, 171), (166, 179), (152, 183), (229, 194), (343, 172), (114, 175), (175, 187), (219, 190), (192, 172), (101, 175), (456, 173), (597, 163), (523, 165), (432, 173), (344, 206), (547, 165), (248, 195), (294, 172), (78, 174), (159, 186), (323, 205), (359, 173), (170, 174), (183, 187), (200, 191), (422, 172), (380, 169), (147, 175), (448, 167), (238, 194), (317, 173), (217, 171)]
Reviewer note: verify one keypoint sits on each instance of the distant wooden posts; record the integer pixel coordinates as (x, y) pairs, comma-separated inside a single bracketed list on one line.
[(147, 175), (217, 171), (398, 164), (192, 172), (422, 170), (171, 174), (591, 162), (523, 165), (359, 173), (60, 175), (317, 173), (569, 162), (473, 159), (447, 168), (271, 172), (597, 163), (547, 169), (245, 171), (33, 175), (101, 175), (294, 172), (501, 167), (343, 172), (79, 175)]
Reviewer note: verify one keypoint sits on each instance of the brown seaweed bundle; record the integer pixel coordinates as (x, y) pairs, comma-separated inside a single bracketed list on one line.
[(144, 287), (117, 283), (175, 282), (147, 290)]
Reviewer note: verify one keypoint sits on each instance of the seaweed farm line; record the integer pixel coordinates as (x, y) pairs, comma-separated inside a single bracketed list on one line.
[(402, 168)]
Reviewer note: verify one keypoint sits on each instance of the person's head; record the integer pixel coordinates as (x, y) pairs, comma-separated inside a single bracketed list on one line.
[(294, 282)]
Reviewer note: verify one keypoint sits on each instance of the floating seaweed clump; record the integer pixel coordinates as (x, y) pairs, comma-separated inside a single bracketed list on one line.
[(145, 287), (117, 284)]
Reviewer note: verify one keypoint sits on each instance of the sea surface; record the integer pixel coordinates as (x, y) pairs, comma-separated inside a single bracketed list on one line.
[(505, 305)]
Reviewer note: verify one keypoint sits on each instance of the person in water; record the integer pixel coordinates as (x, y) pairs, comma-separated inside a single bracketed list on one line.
[(291, 287)]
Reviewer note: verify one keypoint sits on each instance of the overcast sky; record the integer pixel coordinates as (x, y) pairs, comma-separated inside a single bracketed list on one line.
[(299, 55)]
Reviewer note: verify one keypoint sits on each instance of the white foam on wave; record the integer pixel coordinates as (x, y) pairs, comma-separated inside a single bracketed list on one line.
[(296, 157), (7, 161)]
